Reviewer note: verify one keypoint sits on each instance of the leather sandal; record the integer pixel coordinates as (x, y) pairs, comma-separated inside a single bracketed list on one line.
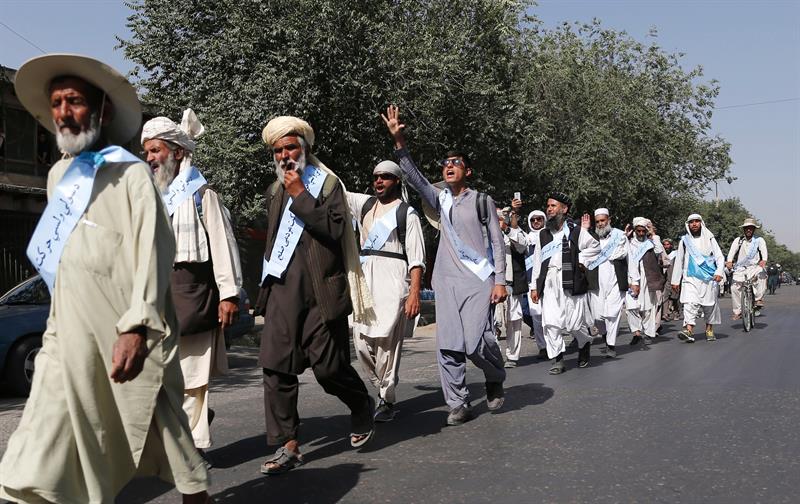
[(282, 461)]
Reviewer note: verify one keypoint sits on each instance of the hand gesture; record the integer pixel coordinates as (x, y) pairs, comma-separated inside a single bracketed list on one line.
[(628, 230), (586, 221), (127, 357), (535, 296), (499, 294), (516, 204), (675, 288), (393, 124), (228, 312), (293, 183)]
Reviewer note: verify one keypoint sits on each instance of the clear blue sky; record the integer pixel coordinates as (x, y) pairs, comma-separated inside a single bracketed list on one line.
[(751, 47)]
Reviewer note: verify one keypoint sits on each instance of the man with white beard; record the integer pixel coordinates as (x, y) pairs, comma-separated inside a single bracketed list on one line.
[(559, 280), (535, 222), (646, 281), (608, 270), (699, 267), (206, 277), (105, 404)]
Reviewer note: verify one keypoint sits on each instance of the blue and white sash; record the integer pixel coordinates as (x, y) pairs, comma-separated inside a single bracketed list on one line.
[(642, 250), (68, 203), (381, 229), (551, 248), (614, 240), (185, 184), (751, 254), (700, 266), (291, 227), (473, 261)]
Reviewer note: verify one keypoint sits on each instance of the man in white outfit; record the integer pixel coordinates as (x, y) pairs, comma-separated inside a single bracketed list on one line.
[(646, 282), (516, 286), (747, 258)]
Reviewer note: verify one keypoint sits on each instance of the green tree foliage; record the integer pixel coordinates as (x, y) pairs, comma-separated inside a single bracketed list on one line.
[(613, 121)]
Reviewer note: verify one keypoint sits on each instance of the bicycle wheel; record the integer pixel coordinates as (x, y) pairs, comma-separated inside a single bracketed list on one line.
[(747, 307)]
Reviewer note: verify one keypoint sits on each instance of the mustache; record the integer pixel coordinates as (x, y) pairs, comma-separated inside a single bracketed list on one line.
[(67, 123)]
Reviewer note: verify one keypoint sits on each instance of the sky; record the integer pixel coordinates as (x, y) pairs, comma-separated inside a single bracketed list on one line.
[(751, 47)]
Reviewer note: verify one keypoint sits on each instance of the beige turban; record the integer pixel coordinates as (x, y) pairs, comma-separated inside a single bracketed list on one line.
[(163, 128), (363, 311), (641, 222)]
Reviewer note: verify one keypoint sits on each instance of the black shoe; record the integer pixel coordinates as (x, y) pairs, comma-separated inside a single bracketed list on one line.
[(211, 416), (636, 340), (646, 340), (543, 354), (459, 415), (611, 353), (583, 355), (384, 412)]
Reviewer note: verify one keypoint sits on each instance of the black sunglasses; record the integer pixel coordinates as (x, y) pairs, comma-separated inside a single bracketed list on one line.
[(383, 176), (455, 162)]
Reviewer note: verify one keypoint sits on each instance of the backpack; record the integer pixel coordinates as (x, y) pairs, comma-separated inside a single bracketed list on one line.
[(741, 242), (402, 217)]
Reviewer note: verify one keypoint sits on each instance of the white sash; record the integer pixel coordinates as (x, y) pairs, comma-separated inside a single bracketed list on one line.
[(642, 250), (751, 254), (185, 184), (381, 229), (551, 248), (70, 200), (473, 261), (291, 227), (614, 240)]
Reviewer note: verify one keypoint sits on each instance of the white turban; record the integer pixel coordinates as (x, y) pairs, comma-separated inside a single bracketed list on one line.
[(392, 168), (363, 306), (706, 237), (641, 222), (601, 211), (535, 213), (163, 128)]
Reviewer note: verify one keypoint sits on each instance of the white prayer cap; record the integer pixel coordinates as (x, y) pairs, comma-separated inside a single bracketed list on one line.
[(694, 216), (601, 211), (163, 128), (389, 167), (282, 126), (641, 222)]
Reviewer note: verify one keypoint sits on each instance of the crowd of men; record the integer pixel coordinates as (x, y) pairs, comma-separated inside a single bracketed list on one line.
[(144, 272)]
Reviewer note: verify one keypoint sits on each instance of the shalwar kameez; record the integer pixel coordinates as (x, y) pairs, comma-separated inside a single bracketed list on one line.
[(644, 270)]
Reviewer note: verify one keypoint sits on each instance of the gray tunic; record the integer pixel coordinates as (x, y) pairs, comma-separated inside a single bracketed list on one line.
[(463, 311)]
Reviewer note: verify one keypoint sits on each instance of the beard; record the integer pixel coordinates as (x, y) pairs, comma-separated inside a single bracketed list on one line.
[(555, 222), (288, 164), (166, 173), (602, 232), (641, 238), (73, 144)]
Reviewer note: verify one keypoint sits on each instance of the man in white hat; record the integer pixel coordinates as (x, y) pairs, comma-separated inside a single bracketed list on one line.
[(469, 276), (747, 258), (607, 272), (559, 280), (516, 285), (699, 268), (105, 404), (312, 281), (393, 261), (646, 279), (206, 277)]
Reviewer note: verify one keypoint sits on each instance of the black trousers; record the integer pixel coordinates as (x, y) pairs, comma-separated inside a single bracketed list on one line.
[(329, 357)]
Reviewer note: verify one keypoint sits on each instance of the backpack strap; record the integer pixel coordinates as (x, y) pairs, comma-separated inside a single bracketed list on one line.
[(367, 207), (482, 207), (402, 219)]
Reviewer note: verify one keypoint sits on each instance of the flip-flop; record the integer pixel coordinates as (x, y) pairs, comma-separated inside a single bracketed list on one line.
[(365, 438), (284, 460)]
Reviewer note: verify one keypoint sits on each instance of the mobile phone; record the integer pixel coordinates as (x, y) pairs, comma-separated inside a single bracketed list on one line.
[(517, 196)]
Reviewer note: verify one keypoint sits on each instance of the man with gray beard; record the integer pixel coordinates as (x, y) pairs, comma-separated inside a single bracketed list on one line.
[(206, 276), (559, 280), (607, 272), (646, 281)]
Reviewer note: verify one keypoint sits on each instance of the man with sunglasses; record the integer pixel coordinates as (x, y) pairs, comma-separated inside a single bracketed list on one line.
[(468, 279), (393, 260)]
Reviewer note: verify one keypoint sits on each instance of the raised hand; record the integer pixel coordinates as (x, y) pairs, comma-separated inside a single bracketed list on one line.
[(393, 124), (586, 221)]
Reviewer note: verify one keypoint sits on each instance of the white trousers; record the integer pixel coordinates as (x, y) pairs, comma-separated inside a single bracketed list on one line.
[(759, 287), (561, 311), (512, 322), (607, 313), (693, 311), (535, 310), (380, 357), (643, 321), (195, 405)]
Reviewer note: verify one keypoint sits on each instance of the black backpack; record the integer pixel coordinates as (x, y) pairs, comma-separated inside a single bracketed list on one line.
[(402, 217)]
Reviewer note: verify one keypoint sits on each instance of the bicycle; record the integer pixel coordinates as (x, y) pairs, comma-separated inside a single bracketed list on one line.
[(748, 304)]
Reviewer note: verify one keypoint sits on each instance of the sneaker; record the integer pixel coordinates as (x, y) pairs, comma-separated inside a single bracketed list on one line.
[(558, 368), (510, 364), (611, 353), (686, 336), (584, 354), (494, 395), (636, 340), (460, 415), (384, 412), (710, 335)]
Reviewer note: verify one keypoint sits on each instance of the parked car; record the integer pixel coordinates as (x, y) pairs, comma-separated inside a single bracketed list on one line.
[(23, 319)]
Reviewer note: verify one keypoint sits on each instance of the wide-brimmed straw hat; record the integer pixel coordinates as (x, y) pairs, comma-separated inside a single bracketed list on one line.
[(750, 222), (32, 85), (430, 213)]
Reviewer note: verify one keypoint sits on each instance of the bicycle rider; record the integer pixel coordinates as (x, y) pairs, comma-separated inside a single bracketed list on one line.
[(747, 259)]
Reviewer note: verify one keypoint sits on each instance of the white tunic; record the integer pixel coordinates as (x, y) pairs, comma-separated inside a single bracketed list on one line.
[(694, 290), (646, 299)]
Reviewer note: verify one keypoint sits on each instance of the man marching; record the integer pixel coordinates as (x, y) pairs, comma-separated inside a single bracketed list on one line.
[(559, 280), (105, 403), (206, 277), (608, 270), (747, 259), (699, 267), (516, 287), (466, 282), (393, 261), (646, 281)]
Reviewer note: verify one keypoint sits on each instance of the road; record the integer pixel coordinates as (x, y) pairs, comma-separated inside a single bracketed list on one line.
[(678, 423)]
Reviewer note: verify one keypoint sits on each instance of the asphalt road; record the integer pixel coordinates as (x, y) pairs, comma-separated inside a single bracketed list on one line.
[(708, 422)]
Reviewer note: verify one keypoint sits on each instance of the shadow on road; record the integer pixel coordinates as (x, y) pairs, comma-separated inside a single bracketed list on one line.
[(320, 486)]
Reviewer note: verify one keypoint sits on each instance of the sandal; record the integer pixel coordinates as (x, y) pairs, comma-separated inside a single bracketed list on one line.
[(359, 440), (282, 461)]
